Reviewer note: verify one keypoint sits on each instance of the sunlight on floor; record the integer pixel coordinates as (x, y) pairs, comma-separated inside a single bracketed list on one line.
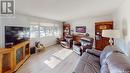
[(62, 54), (52, 62), (57, 57)]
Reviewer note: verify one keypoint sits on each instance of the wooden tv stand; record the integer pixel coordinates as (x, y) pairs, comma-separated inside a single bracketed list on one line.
[(12, 58)]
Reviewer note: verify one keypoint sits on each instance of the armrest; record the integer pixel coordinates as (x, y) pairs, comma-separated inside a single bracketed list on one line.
[(87, 47), (94, 52), (62, 40)]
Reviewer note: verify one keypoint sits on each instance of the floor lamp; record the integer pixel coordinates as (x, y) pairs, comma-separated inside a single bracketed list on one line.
[(111, 34)]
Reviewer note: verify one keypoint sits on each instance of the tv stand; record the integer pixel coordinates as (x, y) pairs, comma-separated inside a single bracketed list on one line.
[(12, 58)]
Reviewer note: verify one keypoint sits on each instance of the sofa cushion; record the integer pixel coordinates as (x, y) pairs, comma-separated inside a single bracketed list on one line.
[(118, 63), (88, 64), (87, 57), (108, 50), (86, 67), (94, 52)]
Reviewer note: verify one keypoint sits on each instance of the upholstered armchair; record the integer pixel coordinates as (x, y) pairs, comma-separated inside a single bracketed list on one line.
[(67, 42), (76, 47), (85, 43)]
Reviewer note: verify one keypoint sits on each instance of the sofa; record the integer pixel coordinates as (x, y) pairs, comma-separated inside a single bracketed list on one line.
[(110, 60)]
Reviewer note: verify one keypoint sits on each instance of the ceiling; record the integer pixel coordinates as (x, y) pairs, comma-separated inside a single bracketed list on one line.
[(64, 10)]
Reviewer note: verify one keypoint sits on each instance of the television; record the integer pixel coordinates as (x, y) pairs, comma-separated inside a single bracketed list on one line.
[(81, 29), (15, 35)]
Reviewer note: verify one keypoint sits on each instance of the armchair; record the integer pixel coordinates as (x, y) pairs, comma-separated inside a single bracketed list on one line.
[(76, 47), (85, 43), (67, 42)]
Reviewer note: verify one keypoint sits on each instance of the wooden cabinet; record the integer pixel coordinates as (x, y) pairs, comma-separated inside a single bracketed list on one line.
[(21, 53), (6, 60), (102, 42), (77, 38), (66, 30), (12, 58)]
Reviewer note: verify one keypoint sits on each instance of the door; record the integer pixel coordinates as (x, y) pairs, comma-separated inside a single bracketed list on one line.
[(102, 42)]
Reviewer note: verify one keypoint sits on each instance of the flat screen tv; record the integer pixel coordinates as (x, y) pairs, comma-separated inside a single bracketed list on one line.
[(81, 29), (15, 35)]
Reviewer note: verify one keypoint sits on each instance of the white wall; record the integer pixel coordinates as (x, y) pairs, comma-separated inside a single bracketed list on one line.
[(89, 23), (25, 20), (121, 19)]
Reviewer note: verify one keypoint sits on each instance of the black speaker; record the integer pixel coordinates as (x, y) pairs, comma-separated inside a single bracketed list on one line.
[(32, 50)]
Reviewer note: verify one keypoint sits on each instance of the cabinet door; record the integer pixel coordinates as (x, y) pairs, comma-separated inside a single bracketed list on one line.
[(102, 42), (66, 30)]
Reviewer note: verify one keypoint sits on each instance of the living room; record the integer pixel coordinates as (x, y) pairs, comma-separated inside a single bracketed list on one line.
[(50, 36)]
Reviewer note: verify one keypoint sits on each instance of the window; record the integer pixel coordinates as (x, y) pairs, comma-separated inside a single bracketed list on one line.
[(34, 31), (51, 31), (56, 31), (42, 31), (47, 30)]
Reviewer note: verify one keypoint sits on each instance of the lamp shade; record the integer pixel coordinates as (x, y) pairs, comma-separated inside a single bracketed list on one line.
[(111, 33)]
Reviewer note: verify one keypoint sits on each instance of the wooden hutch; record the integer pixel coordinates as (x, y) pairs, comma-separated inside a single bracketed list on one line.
[(66, 30)]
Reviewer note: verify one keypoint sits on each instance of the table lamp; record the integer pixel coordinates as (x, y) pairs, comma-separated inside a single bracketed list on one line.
[(111, 34)]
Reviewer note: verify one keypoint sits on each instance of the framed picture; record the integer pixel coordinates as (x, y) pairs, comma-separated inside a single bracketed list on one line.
[(81, 29)]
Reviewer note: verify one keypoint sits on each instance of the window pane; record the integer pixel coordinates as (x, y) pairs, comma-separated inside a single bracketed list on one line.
[(42, 28), (34, 31), (42, 31), (56, 31), (34, 27), (46, 31), (51, 31), (34, 34)]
